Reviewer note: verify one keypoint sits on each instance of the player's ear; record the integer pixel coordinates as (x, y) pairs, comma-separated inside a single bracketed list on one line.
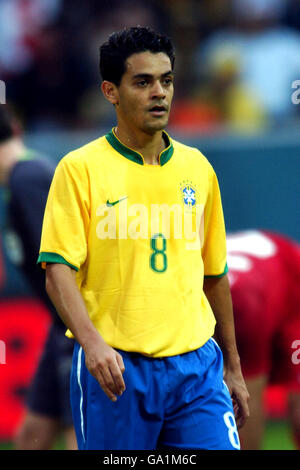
[(110, 91)]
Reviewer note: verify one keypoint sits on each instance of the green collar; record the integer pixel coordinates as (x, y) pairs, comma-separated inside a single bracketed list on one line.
[(137, 157)]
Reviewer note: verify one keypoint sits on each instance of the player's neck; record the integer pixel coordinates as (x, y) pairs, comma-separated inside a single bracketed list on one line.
[(150, 146)]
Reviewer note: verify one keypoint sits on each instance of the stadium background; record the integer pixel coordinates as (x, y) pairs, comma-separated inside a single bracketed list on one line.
[(244, 122)]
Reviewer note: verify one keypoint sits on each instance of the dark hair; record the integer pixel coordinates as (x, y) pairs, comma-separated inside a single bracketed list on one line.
[(121, 45), (7, 128)]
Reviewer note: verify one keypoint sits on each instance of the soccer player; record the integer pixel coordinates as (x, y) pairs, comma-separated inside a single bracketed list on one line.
[(27, 178), (121, 244), (264, 273)]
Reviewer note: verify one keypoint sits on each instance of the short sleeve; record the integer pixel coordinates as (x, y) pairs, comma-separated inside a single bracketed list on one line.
[(66, 217), (214, 246)]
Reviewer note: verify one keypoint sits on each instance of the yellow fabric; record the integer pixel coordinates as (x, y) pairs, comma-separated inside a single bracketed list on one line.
[(143, 291)]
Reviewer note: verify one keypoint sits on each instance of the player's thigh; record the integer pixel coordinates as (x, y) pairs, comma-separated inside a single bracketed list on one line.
[(210, 428), (203, 417), (133, 422), (37, 432), (256, 386), (251, 433)]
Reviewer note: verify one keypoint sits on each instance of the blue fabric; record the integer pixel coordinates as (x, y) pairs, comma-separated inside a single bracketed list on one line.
[(179, 401)]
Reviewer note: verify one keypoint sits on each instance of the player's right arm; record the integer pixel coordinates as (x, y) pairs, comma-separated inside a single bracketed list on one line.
[(102, 361), (64, 249)]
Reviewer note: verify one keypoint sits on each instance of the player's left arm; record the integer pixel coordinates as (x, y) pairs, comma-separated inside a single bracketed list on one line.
[(217, 291)]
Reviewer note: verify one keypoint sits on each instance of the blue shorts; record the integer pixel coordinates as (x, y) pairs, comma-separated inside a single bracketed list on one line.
[(178, 401)]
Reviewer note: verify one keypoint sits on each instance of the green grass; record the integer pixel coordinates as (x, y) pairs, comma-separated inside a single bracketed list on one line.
[(60, 445), (6, 446), (277, 437)]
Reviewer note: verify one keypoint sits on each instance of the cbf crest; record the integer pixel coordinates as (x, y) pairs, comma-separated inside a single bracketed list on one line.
[(188, 194)]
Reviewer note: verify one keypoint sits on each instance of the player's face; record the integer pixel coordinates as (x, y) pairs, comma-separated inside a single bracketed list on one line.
[(146, 91)]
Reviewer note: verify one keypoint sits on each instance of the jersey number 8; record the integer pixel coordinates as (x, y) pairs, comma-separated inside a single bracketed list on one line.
[(158, 257)]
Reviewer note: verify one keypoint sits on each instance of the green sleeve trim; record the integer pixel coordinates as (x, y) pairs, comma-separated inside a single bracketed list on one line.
[(46, 257), (218, 275)]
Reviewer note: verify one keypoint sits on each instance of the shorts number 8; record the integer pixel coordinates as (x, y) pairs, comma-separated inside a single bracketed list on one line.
[(232, 429)]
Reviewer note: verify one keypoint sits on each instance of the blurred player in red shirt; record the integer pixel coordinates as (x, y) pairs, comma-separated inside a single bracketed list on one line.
[(264, 273)]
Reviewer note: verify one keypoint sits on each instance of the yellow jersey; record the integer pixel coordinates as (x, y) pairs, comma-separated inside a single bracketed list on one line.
[(141, 238)]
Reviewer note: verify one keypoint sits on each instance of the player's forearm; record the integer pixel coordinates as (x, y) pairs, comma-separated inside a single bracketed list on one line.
[(217, 291), (63, 291), (102, 361)]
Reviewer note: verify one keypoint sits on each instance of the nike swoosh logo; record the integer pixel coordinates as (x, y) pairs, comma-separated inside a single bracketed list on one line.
[(110, 204)]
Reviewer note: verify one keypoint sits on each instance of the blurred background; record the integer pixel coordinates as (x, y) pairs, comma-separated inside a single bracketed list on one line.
[(236, 63)]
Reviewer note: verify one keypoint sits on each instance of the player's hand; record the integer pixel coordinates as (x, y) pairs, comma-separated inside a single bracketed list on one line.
[(106, 365), (239, 394)]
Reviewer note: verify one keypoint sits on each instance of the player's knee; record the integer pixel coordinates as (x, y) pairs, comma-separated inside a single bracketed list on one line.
[(34, 435), (25, 437), (70, 437)]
